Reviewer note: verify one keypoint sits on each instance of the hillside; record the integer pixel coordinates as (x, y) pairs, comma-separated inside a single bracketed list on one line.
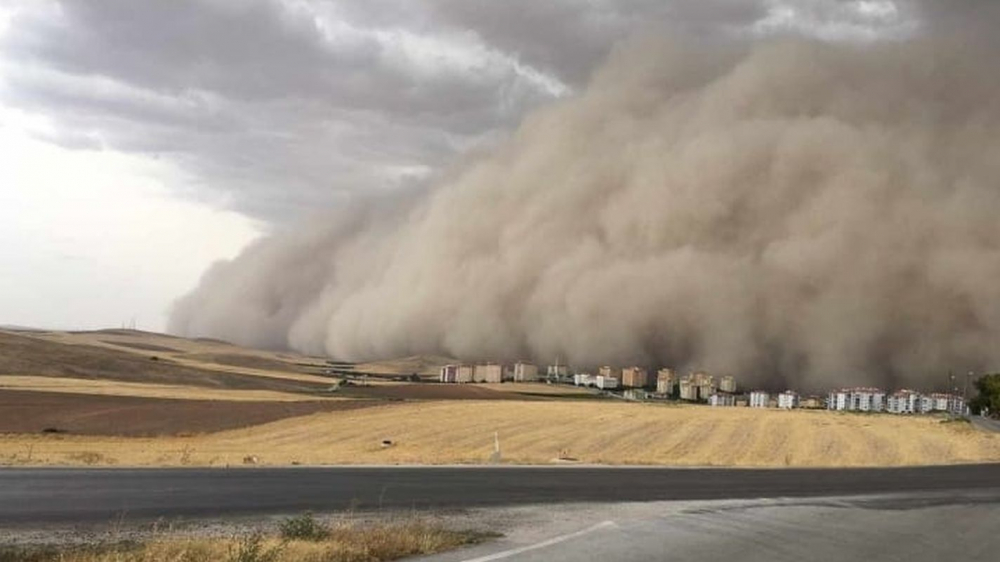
[(81, 357)]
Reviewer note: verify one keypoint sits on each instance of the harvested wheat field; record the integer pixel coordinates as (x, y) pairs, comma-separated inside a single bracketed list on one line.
[(145, 390), (541, 432)]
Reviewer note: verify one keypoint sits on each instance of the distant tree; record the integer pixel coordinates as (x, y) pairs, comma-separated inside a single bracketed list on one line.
[(989, 395)]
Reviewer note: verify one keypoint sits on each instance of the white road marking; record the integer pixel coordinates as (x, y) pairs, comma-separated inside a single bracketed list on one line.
[(543, 544)]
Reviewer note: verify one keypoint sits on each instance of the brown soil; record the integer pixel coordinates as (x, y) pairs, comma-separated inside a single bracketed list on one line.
[(52, 412), (127, 332), (24, 355), (143, 346), (246, 361)]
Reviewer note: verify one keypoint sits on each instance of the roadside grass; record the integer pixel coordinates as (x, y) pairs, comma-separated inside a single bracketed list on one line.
[(300, 539)]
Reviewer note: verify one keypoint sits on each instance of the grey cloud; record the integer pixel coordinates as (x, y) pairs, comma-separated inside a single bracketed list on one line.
[(254, 98), (286, 107), (562, 38)]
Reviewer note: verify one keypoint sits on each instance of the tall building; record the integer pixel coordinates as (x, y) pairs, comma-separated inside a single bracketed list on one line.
[(606, 383), (488, 373), (557, 371), (634, 377), (464, 373), (525, 372), (449, 373), (727, 384), (788, 399), (759, 399), (688, 390), (705, 383), (666, 380), (857, 400)]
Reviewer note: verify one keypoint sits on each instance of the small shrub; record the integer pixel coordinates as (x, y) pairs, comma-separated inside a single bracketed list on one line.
[(304, 527), (87, 457), (252, 548)]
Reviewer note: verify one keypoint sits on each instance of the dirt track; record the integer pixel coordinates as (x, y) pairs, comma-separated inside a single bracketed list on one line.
[(34, 412)]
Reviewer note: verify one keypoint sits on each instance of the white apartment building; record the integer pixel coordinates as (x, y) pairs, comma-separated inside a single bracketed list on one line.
[(857, 400), (464, 373), (557, 371), (449, 373), (941, 402), (719, 400), (788, 400), (584, 379), (903, 402), (488, 373), (606, 383), (759, 399), (926, 404), (688, 390), (912, 402), (525, 372), (666, 380), (727, 384)]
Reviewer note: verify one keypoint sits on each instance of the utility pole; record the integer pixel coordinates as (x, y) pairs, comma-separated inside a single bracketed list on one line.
[(495, 457), (965, 392), (953, 390)]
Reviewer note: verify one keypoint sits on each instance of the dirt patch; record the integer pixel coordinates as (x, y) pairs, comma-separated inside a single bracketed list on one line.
[(24, 355), (246, 361), (54, 413), (127, 332), (142, 346), (213, 341)]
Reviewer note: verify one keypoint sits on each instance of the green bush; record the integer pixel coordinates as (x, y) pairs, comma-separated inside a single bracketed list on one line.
[(989, 395), (303, 527)]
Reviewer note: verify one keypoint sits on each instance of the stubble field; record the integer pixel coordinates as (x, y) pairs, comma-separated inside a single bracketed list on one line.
[(101, 399), (445, 432)]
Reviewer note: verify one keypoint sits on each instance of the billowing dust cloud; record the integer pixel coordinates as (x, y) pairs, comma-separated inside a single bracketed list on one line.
[(786, 210)]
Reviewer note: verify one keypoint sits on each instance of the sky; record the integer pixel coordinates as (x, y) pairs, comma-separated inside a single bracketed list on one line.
[(142, 141)]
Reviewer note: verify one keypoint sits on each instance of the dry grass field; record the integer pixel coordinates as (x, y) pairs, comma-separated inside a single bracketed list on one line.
[(99, 398), (341, 542), (541, 432), (82, 356)]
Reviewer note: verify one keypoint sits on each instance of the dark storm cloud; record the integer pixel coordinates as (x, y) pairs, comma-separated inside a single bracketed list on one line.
[(562, 38), (286, 106), (283, 106)]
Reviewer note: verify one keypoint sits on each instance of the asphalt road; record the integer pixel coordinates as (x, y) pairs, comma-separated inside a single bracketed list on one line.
[(59, 496), (910, 527), (986, 424)]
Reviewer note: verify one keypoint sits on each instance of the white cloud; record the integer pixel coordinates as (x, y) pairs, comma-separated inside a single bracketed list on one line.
[(93, 238), (851, 20)]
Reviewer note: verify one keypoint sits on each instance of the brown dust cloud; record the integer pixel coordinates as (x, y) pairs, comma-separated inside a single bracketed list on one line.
[(788, 210)]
